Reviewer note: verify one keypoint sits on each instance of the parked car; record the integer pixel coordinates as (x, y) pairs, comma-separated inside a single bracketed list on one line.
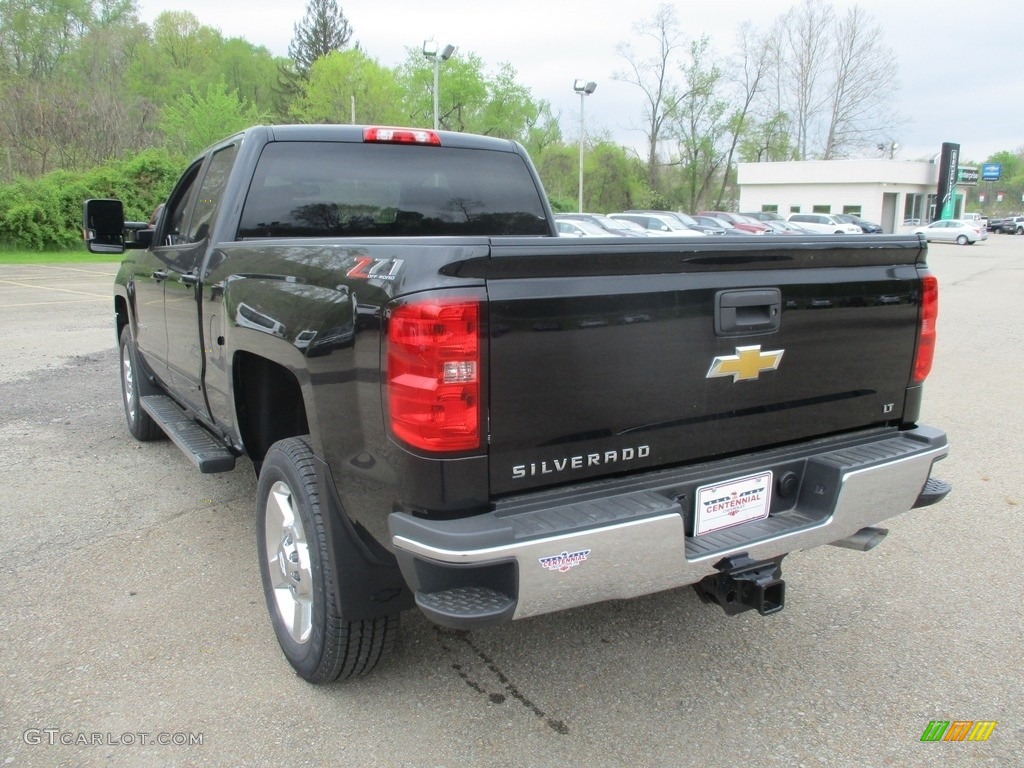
[(569, 228), (687, 220), (610, 226), (658, 224), (739, 221), (952, 231), (1014, 225), (866, 226), (788, 228), (765, 216), (712, 221), (825, 223)]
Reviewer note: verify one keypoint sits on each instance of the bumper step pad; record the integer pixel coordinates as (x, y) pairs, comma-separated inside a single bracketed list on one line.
[(934, 491), (462, 607)]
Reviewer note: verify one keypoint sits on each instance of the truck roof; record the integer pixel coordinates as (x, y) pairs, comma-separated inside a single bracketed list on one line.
[(354, 133)]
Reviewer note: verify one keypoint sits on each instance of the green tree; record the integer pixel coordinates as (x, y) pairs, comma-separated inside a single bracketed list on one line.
[(469, 99), (509, 110), (766, 140), (558, 168), (36, 34), (344, 83), (195, 120), (1010, 184), (182, 54), (323, 30), (185, 43), (613, 179), (543, 132), (700, 124), (250, 71)]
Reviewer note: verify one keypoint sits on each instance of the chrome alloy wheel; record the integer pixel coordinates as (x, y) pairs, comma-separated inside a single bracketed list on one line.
[(287, 552), (131, 402)]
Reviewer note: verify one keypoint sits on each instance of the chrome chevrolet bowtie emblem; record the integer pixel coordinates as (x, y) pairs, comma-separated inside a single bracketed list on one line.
[(746, 365)]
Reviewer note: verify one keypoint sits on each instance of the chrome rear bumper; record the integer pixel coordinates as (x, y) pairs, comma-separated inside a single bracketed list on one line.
[(627, 537)]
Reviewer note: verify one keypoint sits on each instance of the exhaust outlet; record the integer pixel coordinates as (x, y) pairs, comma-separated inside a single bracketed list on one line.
[(863, 540), (744, 584)]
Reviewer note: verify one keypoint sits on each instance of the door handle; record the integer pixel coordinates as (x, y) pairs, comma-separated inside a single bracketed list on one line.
[(160, 275), (190, 278), (748, 312)]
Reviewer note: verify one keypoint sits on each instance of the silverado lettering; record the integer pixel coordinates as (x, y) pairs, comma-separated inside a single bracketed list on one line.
[(579, 462), (442, 399)]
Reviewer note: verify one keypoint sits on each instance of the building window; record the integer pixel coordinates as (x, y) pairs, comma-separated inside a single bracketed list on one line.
[(794, 209), (769, 209), (822, 209), (852, 209), (913, 209)]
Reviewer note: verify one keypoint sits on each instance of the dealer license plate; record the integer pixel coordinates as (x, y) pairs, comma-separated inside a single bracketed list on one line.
[(734, 502)]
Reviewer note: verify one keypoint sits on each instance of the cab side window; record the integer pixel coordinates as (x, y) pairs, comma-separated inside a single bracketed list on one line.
[(210, 193), (177, 207)]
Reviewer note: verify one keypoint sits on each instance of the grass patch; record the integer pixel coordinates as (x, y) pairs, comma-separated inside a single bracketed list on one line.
[(58, 257)]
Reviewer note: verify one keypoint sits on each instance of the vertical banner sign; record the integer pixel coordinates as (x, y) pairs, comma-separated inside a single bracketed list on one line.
[(948, 170)]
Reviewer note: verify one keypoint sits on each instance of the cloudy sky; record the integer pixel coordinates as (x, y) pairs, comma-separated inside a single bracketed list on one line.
[(957, 64)]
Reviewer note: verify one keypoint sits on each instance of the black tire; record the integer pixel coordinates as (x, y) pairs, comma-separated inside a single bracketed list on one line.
[(962, 240), (133, 386), (298, 583)]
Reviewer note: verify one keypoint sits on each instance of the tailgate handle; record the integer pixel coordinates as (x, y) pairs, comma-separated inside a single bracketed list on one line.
[(748, 312)]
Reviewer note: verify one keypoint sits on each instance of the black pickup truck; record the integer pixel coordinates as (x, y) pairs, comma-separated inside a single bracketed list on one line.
[(450, 407)]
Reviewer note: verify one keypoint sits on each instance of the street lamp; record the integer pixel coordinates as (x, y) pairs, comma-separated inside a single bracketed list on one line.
[(889, 147), (583, 88), (431, 52)]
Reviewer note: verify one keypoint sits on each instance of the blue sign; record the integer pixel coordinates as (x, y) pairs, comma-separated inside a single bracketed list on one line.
[(991, 171)]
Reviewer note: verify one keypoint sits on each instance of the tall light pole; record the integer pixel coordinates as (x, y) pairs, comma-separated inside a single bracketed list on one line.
[(583, 88), (431, 52), (889, 147)]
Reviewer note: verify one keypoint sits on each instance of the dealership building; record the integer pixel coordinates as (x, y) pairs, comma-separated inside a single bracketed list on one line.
[(897, 194)]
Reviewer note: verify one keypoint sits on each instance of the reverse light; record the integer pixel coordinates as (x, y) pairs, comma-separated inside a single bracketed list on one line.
[(381, 135), (926, 333), (433, 374)]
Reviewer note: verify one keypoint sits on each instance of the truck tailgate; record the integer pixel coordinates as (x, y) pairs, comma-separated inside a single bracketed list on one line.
[(608, 357)]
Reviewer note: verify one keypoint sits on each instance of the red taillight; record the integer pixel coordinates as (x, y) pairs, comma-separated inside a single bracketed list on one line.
[(380, 135), (926, 329), (433, 374)]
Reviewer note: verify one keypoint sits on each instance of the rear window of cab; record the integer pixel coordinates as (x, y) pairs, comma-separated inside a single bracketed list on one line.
[(340, 189)]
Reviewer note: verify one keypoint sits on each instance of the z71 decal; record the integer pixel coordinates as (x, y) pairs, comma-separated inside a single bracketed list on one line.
[(367, 268)]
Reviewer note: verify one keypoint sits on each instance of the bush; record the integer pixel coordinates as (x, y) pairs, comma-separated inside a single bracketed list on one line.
[(46, 213), (563, 205)]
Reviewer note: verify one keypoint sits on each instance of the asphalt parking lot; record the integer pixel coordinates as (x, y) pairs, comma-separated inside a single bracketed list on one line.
[(135, 634)]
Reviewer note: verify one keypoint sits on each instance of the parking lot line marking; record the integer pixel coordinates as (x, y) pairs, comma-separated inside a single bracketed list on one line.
[(59, 267), (51, 288), (85, 277), (53, 303)]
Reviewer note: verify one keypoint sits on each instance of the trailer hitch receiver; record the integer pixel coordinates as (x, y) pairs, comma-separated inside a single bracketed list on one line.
[(743, 583)]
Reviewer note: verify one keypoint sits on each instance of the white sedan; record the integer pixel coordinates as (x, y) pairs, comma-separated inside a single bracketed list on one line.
[(567, 228), (953, 231), (658, 224), (824, 223)]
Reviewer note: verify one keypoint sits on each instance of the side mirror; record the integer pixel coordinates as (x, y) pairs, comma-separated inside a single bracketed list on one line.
[(103, 226)]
